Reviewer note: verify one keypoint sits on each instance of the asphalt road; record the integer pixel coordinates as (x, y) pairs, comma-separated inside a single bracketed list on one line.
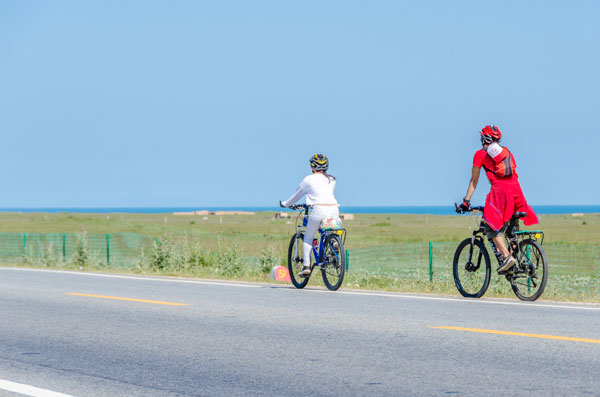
[(253, 339)]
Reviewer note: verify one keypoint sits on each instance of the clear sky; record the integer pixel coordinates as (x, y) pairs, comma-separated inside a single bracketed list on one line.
[(221, 103)]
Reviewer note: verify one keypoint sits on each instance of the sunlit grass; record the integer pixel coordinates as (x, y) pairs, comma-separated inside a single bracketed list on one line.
[(387, 251)]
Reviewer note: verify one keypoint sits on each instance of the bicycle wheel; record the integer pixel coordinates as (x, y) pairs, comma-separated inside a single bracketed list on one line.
[(334, 266), (295, 255), (471, 269), (531, 274)]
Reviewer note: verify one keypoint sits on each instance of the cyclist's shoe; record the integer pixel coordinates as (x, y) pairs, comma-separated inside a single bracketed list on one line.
[(507, 264), (305, 271)]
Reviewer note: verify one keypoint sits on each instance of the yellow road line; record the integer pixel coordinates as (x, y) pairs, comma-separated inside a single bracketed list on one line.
[(128, 299), (491, 331)]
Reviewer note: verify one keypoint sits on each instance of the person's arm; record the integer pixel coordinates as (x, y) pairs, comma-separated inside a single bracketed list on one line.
[(475, 172), (296, 196)]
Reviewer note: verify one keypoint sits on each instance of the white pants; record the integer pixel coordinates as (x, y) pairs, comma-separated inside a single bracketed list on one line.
[(318, 213)]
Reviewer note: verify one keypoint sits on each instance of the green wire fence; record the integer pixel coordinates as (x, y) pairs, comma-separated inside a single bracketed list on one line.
[(121, 249), (573, 268)]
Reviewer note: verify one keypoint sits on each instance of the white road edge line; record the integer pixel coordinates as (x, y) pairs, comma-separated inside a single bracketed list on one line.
[(29, 390), (382, 294), (169, 280), (465, 300)]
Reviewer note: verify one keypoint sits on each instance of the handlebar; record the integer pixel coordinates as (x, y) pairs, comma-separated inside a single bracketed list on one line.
[(462, 211), (299, 206)]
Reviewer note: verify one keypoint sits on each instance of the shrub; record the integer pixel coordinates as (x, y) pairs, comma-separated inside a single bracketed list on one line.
[(49, 255), (81, 256), (231, 262), (181, 254), (161, 254), (28, 259), (268, 260)]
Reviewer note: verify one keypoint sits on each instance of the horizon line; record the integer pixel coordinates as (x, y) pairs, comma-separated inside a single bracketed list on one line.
[(262, 206)]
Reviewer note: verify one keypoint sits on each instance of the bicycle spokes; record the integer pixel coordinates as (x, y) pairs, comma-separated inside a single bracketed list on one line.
[(471, 278), (530, 275), (334, 262), (295, 261)]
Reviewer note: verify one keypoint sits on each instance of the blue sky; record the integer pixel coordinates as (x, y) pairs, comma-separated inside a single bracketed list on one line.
[(191, 103)]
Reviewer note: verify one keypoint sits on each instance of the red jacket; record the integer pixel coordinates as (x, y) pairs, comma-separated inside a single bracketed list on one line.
[(505, 197)]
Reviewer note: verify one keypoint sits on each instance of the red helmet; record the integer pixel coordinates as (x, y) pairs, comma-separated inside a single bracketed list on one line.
[(490, 133)]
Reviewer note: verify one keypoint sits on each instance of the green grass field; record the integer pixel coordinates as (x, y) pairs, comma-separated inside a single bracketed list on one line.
[(387, 251)]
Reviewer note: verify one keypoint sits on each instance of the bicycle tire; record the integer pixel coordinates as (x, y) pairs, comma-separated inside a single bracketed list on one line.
[(334, 268), (471, 279), (532, 261), (295, 261)]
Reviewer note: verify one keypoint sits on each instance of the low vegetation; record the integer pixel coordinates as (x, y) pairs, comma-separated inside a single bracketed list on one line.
[(387, 251)]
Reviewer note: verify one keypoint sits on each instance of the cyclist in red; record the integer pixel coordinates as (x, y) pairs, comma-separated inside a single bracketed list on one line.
[(505, 197)]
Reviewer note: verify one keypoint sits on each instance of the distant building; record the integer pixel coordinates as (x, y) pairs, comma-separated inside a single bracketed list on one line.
[(206, 212)]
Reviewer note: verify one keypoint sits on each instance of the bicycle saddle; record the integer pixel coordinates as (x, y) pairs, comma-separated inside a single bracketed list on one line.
[(520, 215)]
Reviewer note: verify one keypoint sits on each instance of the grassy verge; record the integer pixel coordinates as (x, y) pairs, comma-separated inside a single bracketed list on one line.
[(387, 251)]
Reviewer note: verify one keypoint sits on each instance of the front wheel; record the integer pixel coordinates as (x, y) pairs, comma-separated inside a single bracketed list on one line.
[(295, 255), (529, 279), (471, 268), (334, 262)]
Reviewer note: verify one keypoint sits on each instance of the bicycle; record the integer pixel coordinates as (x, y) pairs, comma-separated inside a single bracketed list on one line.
[(328, 253), (527, 278)]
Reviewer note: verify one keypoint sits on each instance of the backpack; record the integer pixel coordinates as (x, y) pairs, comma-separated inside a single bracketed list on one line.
[(504, 162)]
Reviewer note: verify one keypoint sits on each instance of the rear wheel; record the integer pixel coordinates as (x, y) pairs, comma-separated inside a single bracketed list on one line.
[(295, 255), (529, 278), (471, 268), (334, 266)]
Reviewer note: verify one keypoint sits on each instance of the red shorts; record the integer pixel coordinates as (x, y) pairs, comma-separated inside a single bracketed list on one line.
[(502, 202)]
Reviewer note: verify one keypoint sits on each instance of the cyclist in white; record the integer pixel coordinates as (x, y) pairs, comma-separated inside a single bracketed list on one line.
[(318, 188)]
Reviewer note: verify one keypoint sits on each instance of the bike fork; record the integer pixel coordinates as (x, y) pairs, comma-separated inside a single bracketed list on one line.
[(471, 249), (297, 241)]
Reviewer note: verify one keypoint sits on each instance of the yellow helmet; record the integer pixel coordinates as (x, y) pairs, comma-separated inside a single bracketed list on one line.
[(319, 162)]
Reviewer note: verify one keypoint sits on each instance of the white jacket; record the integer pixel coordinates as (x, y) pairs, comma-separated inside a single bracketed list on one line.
[(318, 190)]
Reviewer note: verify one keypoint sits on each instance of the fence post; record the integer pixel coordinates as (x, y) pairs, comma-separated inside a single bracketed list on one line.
[(64, 247), (347, 259), (430, 261), (528, 260), (24, 242), (107, 250)]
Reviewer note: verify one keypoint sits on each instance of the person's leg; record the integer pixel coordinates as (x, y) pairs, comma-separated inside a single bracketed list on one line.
[(309, 234), (497, 238), (501, 244), (499, 207)]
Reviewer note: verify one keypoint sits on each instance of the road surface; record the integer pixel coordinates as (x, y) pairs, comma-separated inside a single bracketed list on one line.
[(83, 334)]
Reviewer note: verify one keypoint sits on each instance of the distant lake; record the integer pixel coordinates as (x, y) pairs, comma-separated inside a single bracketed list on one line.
[(433, 210)]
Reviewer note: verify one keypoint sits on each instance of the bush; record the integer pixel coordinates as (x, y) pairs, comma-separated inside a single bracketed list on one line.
[(231, 263), (49, 255), (28, 259), (81, 256), (181, 254), (161, 255), (268, 260)]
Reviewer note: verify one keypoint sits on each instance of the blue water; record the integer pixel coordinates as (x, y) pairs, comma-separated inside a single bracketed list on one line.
[(433, 210)]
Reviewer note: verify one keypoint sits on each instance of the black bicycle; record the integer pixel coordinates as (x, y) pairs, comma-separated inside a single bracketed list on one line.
[(472, 268), (328, 253)]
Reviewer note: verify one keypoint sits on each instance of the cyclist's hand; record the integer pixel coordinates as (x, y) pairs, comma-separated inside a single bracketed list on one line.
[(281, 204), (465, 206)]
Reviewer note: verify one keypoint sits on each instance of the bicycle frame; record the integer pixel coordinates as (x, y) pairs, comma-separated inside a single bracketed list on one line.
[(513, 236), (320, 248), (530, 272)]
